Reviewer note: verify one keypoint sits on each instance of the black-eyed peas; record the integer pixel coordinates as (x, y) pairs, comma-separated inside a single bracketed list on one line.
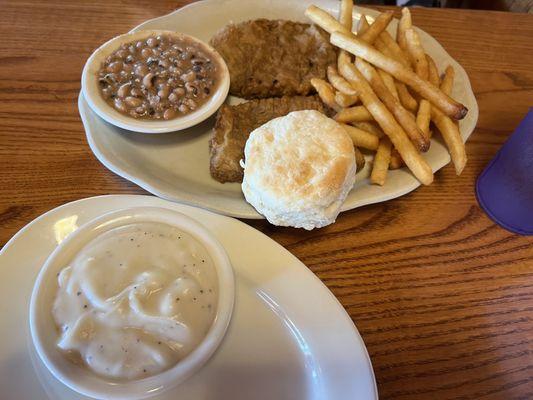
[(161, 77)]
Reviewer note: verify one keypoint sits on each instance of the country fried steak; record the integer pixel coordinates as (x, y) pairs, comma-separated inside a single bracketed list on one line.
[(272, 58), (235, 123)]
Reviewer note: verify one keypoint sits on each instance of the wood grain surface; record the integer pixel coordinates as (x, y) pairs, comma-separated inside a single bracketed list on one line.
[(442, 296)]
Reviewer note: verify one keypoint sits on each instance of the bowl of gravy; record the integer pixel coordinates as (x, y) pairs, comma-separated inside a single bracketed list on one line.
[(131, 303), (155, 81)]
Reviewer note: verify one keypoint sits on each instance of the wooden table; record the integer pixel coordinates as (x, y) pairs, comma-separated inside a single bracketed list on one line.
[(442, 296)]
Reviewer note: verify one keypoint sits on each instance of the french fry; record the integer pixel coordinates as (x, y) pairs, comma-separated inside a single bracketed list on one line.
[(394, 48), (363, 25), (369, 127), (416, 163), (359, 159), (346, 95), (361, 138), (381, 162), (448, 128), (407, 100), (395, 160), (403, 116), (404, 24), (338, 82), (389, 83), (325, 20), (423, 117), (361, 49), (420, 61), (353, 114), (345, 14), (447, 80), (452, 137), (378, 26), (416, 53), (433, 72), (346, 19), (325, 92), (345, 100), (344, 58)]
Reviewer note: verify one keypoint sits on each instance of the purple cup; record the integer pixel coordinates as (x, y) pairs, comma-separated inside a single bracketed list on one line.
[(505, 188)]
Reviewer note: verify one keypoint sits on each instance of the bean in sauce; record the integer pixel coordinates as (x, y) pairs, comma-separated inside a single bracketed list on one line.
[(160, 77)]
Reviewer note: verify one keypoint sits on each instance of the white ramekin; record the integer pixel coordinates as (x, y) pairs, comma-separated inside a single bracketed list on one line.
[(45, 335), (91, 90)]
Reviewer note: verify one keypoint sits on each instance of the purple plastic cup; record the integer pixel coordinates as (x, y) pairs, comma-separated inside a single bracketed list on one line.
[(505, 188)]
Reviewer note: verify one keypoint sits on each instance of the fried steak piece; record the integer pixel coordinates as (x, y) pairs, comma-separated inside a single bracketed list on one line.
[(272, 58), (235, 123)]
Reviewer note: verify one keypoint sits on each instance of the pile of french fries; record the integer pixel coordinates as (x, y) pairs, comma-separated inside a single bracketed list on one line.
[(390, 94)]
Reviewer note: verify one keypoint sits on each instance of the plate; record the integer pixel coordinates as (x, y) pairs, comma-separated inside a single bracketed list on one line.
[(289, 338), (175, 166)]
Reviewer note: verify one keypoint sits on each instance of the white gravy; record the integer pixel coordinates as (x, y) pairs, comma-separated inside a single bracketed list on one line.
[(135, 300)]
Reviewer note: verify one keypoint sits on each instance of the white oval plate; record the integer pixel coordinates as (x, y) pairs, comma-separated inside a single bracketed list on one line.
[(175, 166), (289, 338)]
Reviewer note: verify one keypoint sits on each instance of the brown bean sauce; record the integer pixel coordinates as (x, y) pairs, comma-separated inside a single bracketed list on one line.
[(160, 77)]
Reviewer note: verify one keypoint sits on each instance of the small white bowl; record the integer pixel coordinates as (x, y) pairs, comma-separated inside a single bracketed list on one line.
[(44, 332), (91, 89)]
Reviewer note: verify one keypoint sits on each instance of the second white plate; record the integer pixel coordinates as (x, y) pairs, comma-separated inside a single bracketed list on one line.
[(289, 338), (175, 166)]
